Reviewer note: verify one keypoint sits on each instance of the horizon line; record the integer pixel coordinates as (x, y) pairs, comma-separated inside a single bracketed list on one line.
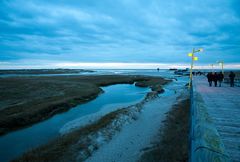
[(108, 65)]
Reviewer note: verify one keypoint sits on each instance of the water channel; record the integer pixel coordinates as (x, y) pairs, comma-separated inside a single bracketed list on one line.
[(15, 143)]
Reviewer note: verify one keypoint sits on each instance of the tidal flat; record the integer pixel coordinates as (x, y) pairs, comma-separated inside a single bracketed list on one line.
[(42, 71), (28, 100)]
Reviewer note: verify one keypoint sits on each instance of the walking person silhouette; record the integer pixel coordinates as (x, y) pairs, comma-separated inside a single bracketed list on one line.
[(210, 79), (215, 79), (220, 78), (231, 77)]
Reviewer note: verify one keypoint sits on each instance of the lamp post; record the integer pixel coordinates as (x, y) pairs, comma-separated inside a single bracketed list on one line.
[(212, 67), (221, 64), (194, 58)]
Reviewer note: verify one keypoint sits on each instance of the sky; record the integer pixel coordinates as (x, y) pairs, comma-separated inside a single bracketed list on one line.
[(118, 33)]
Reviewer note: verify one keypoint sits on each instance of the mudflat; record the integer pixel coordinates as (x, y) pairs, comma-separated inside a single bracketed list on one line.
[(42, 71), (28, 100)]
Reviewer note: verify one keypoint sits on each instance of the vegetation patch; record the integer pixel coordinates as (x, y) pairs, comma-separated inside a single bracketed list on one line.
[(28, 100), (42, 71), (172, 143)]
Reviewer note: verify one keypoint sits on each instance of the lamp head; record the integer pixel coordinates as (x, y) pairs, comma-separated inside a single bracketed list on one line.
[(200, 49), (190, 54)]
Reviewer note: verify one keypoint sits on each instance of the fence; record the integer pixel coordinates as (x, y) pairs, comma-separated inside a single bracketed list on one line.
[(236, 81), (205, 142)]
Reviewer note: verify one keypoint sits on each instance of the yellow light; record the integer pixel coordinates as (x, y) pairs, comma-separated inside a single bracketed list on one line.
[(195, 58), (190, 54)]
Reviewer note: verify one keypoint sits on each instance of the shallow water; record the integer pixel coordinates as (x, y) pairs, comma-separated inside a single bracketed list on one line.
[(15, 143), (122, 95), (139, 135), (150, 72)]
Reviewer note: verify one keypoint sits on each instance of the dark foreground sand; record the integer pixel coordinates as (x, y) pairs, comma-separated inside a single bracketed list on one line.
[(28, 100)]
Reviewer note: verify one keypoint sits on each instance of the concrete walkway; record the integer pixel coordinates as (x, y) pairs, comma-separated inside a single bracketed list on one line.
[(223, 104)]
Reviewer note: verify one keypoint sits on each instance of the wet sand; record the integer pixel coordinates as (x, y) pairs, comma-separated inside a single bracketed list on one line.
[(82, 143), (42, 71)]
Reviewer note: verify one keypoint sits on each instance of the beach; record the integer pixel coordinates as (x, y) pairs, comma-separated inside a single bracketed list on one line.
[(43, 97)]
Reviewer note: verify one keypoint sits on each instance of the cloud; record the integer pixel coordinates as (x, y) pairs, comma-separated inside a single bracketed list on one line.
[(119, 31)]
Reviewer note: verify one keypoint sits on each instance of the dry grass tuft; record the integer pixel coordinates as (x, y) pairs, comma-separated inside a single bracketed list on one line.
[(28, 100), (172, 142)]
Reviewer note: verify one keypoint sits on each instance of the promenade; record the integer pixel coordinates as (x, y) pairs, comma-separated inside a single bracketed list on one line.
[(223, 106)]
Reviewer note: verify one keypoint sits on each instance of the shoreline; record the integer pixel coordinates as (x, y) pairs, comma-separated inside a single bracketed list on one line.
[(41, 71), (85, 140), (21, 115)]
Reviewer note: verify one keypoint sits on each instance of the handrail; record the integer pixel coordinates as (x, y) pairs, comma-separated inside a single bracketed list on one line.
[(236, 81), (205, 142)]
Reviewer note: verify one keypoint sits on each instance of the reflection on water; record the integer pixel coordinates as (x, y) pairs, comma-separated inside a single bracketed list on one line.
[(15, 143)]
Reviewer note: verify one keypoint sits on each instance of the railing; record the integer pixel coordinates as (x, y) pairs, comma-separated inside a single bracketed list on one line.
[(236, 81), (205, 142)]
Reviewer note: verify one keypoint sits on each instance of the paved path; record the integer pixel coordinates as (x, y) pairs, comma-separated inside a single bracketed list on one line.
[(223, 104)]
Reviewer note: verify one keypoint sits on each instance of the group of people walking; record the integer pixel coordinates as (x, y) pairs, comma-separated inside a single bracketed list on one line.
[(215, 77), (218, 78)]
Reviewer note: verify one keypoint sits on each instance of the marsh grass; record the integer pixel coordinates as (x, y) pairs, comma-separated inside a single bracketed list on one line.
[(28, 100), (76, 144), (172, 143)]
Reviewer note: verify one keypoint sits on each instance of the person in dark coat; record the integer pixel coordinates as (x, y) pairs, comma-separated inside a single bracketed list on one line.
[(215, 79), (220, 78), (210, 79), (231, 77)]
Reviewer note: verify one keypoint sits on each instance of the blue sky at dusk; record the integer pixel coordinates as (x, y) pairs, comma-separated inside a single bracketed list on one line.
[(71, 32)]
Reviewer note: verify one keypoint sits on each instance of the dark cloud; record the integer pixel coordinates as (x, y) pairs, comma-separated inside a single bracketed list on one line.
[(119, 31)]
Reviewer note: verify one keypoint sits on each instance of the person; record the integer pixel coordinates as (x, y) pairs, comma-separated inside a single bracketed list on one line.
[(215, 79), (220, 78), (210, 79), (231, 77)]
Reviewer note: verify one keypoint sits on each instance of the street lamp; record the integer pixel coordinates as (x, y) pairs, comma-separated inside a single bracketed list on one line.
[(212, 66), (194, 58), (221, 64)]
